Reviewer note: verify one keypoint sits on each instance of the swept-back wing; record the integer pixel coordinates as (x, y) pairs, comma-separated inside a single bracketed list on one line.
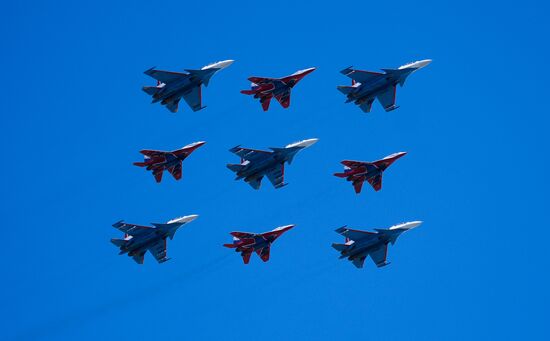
[(255, 182), (387, 98), (246, 256), (265, 100), (165, 76), (363, 76), (376, 182), (176, 171), (173, 105), (261, 80), (379, 255), (358, 184), (264, 253), (242, 235), (355, 234), (358, 262), (194, 98), (131, 229), (366, 106), (250, 154), (352, 163), (139, 257), (277, 175), (158, 250), (157, 173), (284, 99), (152, 153)]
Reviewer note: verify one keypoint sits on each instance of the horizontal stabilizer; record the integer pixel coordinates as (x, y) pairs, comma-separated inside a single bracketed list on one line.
[(150, 90), (346, 90), (119, 242), (339, 247), (235, 167)]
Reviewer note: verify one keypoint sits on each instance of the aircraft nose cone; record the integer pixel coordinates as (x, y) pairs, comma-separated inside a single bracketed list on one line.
[(308, 143), (226, 63), (189, 218), (413, 224), (423, 63)]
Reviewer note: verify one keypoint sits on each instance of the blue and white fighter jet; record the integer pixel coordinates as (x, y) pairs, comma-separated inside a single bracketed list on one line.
[(140, 239), (366, 86), (172, 86), (360, 244), (255, 164)]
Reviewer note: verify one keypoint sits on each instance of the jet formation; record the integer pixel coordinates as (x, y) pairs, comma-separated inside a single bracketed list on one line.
[(366, 86), (361, 244), (246, 243), (255, 164), (265, 88), (360, 171), (173, 86), (140, 239)]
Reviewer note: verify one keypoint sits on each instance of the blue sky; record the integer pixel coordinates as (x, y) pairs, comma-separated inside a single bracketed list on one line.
[(474, 124)]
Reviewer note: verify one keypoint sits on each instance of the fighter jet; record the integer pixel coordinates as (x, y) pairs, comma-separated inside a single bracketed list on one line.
[(172, 86), (360, 244), (368, 85), (255, 164), (359, 171), (157, 161), (246, 243), (138, 239), (266, 88)]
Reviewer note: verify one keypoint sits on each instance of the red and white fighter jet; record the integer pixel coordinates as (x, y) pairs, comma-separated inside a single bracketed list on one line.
[(246, 242), (359, 171), (266, 88), (157, 161)]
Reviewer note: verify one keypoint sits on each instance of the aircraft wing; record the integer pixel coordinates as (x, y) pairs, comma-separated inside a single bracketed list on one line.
[(265, 100), (376, 182), (355, 234), (158, 250), (165, 76), (366, 106), (264, 253), (255, 182), (364, 76), (242, 235), (157, 173), (176, 171), (352, 163), (139, 257), (358, 184), (277, 175), (152, 153), (246, 256), (194, 98), (131, 229), (173, 105), (358, 262), (261, 80), (379, 256), (387, 98), (284, 99), (250, 154)]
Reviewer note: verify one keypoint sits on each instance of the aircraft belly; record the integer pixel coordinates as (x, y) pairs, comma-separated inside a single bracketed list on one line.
[(363, 250)]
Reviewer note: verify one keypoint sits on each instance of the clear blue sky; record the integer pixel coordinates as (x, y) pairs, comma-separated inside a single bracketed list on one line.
[(474, 122)]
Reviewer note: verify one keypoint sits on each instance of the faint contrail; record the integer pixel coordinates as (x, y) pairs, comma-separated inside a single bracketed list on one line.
[(51, 328)]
